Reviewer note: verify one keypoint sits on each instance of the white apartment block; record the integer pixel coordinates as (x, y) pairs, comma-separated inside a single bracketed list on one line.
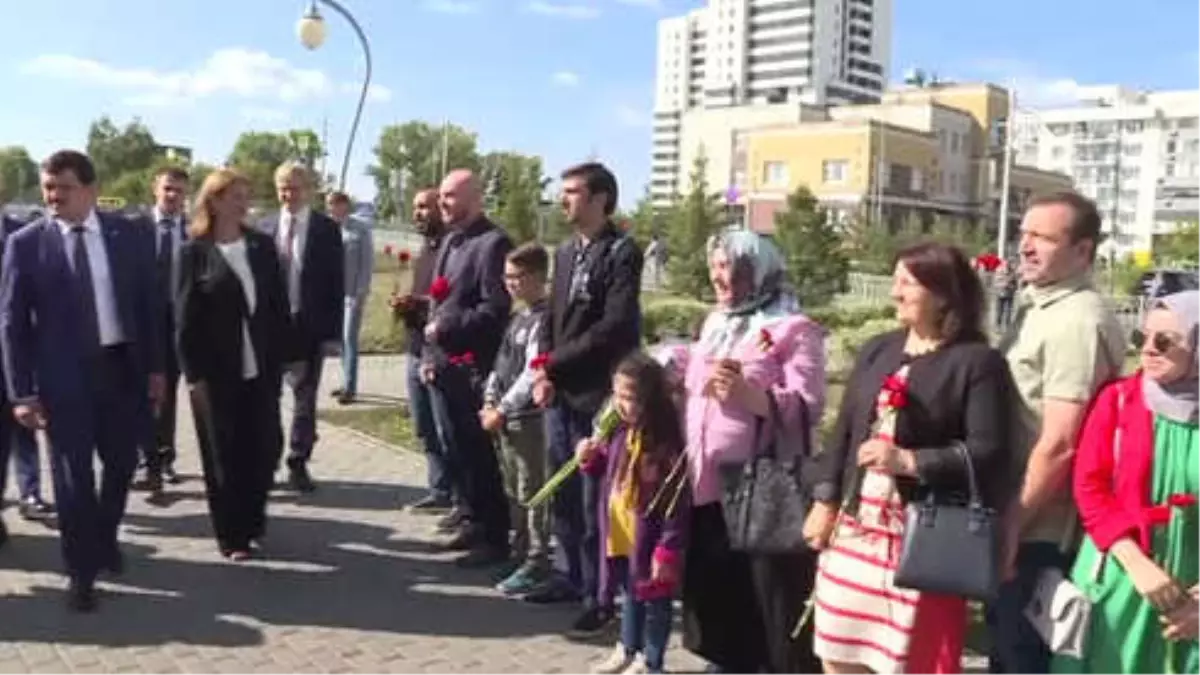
[(745, 52), (1137, 154)]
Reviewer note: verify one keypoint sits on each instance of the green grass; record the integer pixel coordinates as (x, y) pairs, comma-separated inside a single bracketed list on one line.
[(390, 424)]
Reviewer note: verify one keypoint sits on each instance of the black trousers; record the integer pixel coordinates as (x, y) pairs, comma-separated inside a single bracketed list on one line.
[(474, 455), (237, 424), (739, 609)]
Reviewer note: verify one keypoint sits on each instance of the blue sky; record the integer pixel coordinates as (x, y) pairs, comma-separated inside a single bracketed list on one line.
[(560, 78)]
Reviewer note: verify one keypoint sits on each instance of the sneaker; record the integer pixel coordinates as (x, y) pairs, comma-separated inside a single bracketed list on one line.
[(638, 667), (592, 622), (617, 661), (527, 579)]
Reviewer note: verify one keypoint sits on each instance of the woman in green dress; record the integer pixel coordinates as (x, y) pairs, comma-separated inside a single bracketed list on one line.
[(1136, 480)]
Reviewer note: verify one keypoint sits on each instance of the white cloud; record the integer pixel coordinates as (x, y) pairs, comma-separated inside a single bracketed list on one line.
[(1034, 87), (648, 4), (264, 115), (233, 71), (630, 116), (564, 10), (376, 93), (565, 78), (453, 6)]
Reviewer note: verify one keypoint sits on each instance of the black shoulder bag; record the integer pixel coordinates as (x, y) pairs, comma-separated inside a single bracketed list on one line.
[(764, 500), (951, 549)]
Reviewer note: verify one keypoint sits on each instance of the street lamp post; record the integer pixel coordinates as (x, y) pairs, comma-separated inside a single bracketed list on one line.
[(311, 31)]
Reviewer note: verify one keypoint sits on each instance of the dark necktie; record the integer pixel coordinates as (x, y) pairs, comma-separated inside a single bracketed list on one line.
[(89, 321), (166, 246), (579, 272)]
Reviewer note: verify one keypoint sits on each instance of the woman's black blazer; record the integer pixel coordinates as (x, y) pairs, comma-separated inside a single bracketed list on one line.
[(961, 392), (211, 309)]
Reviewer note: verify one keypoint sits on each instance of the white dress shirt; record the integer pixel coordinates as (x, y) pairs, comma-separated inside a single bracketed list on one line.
[(299, 223), (176, 243), (234, 253), (108, 318)]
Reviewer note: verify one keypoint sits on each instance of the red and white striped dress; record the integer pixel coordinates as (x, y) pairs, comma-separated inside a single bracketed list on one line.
[(859, 615)]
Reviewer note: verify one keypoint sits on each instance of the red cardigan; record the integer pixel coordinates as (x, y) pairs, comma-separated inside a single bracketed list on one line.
[(1113, 508)]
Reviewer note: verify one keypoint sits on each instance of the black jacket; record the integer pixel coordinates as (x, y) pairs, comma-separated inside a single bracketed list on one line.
[(473, 317), (961, 392), (211, 310), (322, 281), (587, 335)]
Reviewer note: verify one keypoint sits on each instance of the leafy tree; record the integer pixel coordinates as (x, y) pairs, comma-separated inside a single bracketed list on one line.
[(871, 245), (18, 175), (1181, 247), (415, 150), (643, 220), (812, 248), (970, 238), (515, 185), (257, 154), (115, 150), (695, 218)]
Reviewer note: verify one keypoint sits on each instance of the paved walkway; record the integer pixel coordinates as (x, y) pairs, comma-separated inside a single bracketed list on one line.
[(349, 584)]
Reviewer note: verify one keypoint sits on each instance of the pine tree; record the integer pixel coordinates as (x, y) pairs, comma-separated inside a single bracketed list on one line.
[(691, 221), (812, 248)]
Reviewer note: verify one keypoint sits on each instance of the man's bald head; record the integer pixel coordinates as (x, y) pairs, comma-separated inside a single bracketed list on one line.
[(461, 198)]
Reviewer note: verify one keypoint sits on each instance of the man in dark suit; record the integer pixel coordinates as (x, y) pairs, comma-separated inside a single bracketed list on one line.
[(168, 222), (470, 311), (594, 320), (20, 444), (310, 249), (80, 326)]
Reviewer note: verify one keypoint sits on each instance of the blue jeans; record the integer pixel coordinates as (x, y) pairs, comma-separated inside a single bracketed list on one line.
[(24, 450), (1015, 645), (421, 406), (351, 327), (645, 625), (575, 526)]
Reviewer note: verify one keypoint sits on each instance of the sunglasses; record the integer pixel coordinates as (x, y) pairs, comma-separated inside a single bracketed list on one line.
[(1160, 341)]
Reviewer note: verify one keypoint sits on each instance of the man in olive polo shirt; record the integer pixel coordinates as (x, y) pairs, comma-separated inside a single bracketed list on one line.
[(1063, 345)]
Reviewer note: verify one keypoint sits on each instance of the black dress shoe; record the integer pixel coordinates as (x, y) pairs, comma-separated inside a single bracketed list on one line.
[(81, 596), (33, 508), (430, 504), (116, 563), (3, 534), (337, 392), (171, 476), (299, 479), (345, 398)]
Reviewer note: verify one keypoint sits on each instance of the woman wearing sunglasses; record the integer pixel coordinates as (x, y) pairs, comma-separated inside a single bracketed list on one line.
[(1137, 476)]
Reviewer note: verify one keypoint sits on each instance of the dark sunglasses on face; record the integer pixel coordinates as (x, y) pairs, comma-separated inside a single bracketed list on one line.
[(1159, 341)]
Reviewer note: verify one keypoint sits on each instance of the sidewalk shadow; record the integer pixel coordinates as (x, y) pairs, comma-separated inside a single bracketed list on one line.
[(315, 573), (336, 494)]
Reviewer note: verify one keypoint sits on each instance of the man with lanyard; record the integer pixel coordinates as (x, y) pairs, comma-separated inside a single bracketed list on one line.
[(593, 322)]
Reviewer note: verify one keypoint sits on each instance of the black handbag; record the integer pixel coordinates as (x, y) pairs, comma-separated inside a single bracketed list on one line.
[(764, 500), (951, 548)]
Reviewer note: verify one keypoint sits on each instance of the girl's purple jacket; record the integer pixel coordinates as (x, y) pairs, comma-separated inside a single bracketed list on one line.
[(656, 536)]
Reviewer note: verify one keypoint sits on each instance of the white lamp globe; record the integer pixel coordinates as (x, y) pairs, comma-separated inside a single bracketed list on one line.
[(311, 29)]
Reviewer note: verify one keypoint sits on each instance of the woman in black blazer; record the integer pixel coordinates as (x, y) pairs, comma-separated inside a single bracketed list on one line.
[(233, 332), (915, 398)]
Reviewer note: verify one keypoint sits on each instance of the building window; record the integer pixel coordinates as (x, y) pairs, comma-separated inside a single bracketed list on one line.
[(775, 174), (835, 170), (954, 143)]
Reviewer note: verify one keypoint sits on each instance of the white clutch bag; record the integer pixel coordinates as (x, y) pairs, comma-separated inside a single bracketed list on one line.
[(1061, 613)]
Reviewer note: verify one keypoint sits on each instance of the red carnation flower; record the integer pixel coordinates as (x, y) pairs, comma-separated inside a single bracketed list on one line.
[(895, 391), (404, 256), (463, 359), (1182, 500), (439, 290), (897, 399), (765, 341), (387, 250), (539, 362)]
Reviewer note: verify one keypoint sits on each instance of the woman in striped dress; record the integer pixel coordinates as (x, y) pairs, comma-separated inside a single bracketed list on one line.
[(916, 395)]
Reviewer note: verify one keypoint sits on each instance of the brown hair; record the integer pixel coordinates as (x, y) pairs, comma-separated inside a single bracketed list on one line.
[(71, 160), (1085, 222), (946, 273), (338, 197), (215, 185), (598, 180), (531, 257)]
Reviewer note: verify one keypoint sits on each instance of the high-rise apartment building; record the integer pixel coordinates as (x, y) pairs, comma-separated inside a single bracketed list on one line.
[(745, 52), (1137, 154)]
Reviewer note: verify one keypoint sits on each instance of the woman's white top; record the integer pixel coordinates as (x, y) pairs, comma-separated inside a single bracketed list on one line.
[(234, 253)]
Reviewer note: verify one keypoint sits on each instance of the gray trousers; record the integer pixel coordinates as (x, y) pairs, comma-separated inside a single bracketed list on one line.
[(522, 458)]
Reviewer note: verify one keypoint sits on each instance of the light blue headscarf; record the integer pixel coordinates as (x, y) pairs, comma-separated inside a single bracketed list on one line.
[(769, 297)]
